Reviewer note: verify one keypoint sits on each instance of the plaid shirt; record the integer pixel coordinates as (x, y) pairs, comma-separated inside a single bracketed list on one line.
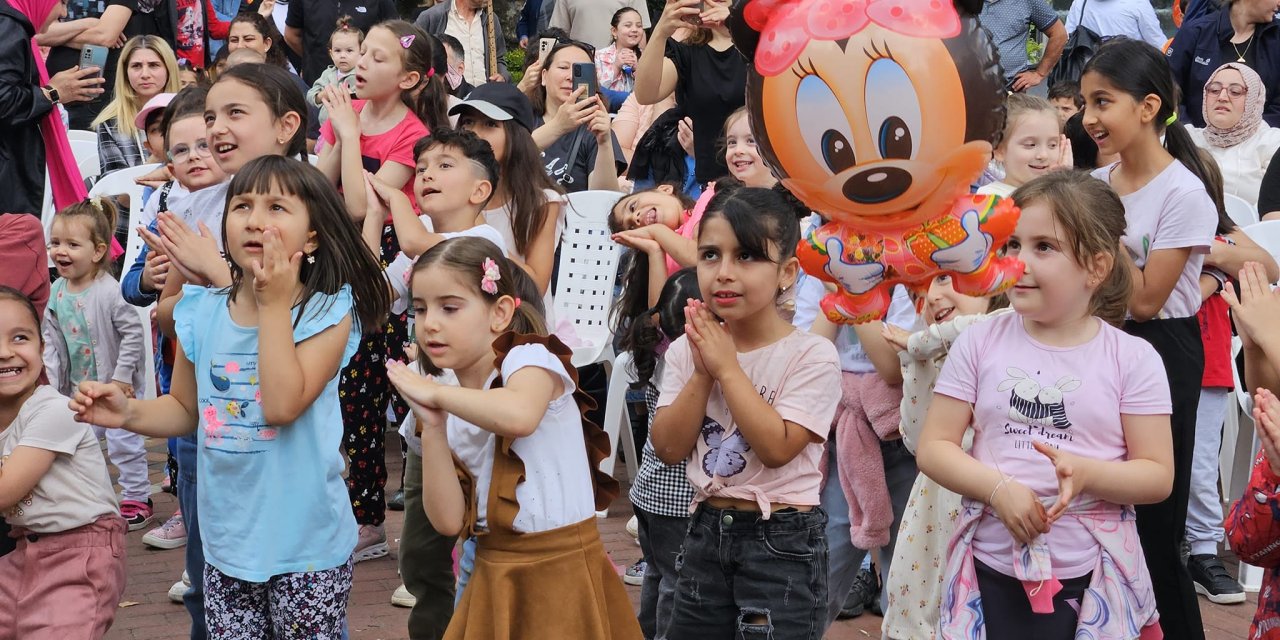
[(660, 489), (115, 149)]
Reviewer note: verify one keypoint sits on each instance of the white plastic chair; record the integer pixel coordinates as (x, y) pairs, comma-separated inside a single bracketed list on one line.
[(588, 268), (75, 135), (122, 181), (86, 155), (616, 423), (1266, 234), (131, 253), (1240, 211)]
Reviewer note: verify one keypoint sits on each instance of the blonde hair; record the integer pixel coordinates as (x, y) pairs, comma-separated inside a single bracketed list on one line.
[(124, 107), (99, 216), (1091, 218), (1018, 105)]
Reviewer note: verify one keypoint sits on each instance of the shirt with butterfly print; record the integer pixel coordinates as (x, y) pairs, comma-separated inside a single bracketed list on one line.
[(799, 376)]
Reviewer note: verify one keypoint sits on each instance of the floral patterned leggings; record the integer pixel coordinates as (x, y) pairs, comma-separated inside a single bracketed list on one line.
[(363, 392), (309, 605)]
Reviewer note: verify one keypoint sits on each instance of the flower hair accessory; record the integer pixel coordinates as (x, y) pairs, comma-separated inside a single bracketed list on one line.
[(787, 26), (489, 279), (407, 41)]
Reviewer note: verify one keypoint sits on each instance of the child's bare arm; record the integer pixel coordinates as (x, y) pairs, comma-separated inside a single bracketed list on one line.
[(513, 411), (676, 426), (1153, 283), (442, 496), (21, 472)]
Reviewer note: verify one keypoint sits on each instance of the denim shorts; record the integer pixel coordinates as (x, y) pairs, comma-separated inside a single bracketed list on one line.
[(741, 576)]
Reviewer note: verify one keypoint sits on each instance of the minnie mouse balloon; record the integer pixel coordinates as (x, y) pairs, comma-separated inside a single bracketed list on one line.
[(879, 114)]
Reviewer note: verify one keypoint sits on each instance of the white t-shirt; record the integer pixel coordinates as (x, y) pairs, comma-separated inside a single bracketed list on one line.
[(1172, 211), (151, 209), (853, 358), (206, 205), (401, 268), (997, 188), (76, 490), (557, 489)]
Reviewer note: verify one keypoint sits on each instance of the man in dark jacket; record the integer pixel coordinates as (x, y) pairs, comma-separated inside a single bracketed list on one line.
[(1206, 43)]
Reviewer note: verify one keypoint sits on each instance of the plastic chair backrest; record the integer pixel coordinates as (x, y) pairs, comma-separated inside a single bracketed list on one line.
[(1240, 211), (122, 181), (80, 135), (588, 268), (86, 155), (1266, 234)]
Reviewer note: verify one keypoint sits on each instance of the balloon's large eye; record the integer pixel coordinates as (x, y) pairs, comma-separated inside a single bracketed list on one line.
[(893, 109), (823, 125)]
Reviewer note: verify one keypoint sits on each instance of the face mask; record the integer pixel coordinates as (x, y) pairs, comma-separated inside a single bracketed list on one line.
[(453, 77)]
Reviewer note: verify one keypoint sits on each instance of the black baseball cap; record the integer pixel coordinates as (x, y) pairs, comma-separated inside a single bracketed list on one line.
[(499, 101)]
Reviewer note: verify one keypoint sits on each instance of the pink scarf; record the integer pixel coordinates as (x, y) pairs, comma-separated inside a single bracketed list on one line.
[(64, 175), (1254, 97)]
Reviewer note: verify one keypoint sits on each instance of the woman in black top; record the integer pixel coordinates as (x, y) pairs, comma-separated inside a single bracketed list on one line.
[(572, 130), (708, 76)]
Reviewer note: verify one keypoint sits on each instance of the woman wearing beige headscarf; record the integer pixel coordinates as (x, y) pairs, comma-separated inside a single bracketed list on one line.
[(1234, 132)]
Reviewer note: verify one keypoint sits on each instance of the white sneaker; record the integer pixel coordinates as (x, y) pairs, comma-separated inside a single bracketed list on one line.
[(633, 527), (402, 598), (179, 588)]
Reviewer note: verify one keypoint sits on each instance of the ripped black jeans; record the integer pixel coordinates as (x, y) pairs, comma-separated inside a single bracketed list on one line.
[(746, 578)]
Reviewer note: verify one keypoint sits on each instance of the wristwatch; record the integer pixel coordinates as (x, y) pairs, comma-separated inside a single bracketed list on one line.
[(51, 93)]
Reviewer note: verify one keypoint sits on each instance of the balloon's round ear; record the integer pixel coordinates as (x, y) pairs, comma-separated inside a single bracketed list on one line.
[(969, 7), (745, 38)]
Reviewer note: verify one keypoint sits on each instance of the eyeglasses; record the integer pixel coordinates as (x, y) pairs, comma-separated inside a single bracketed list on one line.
[(1233, 90), (181, 153)]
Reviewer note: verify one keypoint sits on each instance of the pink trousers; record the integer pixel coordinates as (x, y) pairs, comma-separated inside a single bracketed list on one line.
[(63, 586)]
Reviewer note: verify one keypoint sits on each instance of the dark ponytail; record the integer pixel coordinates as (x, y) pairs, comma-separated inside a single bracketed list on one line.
[(1140, 70), (666, 320)]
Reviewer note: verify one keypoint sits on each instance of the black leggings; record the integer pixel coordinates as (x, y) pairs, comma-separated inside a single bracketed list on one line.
[(1007, 613), (1161, 526)]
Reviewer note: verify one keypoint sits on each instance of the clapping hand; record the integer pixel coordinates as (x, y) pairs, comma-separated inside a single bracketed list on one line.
[(1257, 307), (709, 340)]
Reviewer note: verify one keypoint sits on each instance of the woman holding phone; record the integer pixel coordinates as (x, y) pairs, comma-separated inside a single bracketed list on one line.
[(705, 72), (31, 131), (571, 124)]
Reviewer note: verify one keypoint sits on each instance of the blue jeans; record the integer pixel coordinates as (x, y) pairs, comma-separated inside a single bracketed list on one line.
[(193, 600), (900, 474), (466, 565), (661, 538), (741, 576)]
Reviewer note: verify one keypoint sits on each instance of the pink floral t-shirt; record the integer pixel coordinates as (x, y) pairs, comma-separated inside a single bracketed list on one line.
[(799, 376)]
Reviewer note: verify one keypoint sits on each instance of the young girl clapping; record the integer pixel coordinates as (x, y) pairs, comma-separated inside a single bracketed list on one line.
[(1068, 411), (257, 373), (514, 424), (749, 403)]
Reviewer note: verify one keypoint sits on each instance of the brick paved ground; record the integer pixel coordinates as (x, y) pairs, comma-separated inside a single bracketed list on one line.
[(147, 614)]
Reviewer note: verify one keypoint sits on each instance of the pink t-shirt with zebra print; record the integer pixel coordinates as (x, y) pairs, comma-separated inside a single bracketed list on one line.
[(1070, 398)]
